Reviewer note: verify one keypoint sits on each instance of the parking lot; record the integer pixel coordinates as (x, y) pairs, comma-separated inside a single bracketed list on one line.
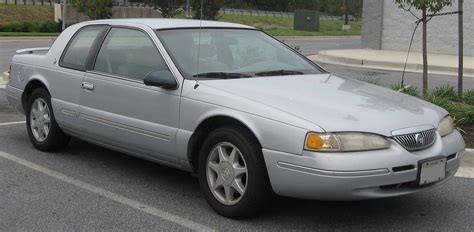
[(86, 187)]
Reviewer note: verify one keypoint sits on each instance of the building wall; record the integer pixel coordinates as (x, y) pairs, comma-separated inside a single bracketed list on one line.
[(372, 21), (397, 27)]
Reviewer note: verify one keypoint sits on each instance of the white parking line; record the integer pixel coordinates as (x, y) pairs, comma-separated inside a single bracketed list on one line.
[(12, 123), (110, 195)]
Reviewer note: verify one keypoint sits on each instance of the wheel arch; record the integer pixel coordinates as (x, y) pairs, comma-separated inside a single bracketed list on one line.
[(33, 84), (207, 126)]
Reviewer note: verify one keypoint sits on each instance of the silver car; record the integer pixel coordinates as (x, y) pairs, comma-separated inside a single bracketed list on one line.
[(247, 114)]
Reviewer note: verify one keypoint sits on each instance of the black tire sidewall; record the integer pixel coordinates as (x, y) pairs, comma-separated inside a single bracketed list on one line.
[(56, 138)]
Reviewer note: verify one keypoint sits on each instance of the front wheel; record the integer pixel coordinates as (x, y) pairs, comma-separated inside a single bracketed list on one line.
[(43, 130), (232, 173)]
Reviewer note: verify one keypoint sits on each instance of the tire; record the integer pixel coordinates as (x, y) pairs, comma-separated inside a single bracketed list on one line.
[(52, 140), (255, 181)]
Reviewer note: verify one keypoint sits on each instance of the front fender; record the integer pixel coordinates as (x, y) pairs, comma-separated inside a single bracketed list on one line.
[(271, 134)]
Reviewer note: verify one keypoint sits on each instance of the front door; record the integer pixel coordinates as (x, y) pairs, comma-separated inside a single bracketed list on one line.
[(118, 110)]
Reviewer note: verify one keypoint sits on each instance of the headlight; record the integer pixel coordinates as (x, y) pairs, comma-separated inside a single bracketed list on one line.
[(345, 141), (446, 126)]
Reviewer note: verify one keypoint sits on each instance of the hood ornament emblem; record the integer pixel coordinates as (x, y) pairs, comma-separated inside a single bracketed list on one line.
[(420, 139)]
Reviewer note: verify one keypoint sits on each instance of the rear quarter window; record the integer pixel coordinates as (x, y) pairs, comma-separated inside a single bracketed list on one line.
[(79, 47)]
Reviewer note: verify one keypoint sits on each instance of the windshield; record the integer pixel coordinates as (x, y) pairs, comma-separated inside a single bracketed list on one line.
[(232, 53)]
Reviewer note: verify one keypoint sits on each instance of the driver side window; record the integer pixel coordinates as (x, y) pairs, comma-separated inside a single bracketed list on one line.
[(129, 53)]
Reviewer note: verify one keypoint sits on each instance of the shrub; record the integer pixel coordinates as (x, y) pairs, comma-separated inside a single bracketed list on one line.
[(468, 97), (463, 114), (50, 26), (445, 92), (27, 26)]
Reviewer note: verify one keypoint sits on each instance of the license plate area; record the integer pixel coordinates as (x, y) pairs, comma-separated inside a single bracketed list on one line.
[(431, 170)]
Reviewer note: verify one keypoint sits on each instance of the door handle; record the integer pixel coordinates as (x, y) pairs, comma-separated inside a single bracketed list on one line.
[(87, 86)]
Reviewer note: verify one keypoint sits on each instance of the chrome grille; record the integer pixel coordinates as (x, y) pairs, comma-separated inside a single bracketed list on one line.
[(416, 141)]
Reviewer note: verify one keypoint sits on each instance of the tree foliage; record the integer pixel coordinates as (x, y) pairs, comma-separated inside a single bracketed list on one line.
[(168, 8), (432, 6), (94, 9), (210, 9), (303, 5)]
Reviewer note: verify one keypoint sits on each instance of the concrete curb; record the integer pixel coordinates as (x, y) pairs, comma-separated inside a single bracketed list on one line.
[(467, 166), (364, 62), (4, 80)]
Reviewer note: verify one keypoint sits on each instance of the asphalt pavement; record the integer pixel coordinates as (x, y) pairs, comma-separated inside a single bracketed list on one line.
[(89, 188)]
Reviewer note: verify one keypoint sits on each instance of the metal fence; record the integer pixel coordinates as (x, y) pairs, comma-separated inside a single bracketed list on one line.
[(231, 11), (30, 2), (51, 2)]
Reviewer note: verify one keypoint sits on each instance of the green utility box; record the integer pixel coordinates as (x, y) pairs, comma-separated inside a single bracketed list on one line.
[(306, 20)]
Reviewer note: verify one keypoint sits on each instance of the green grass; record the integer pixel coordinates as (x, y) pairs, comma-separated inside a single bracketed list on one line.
[(17, 13), (468, 97), (276, 26), (280, 26), (28, 34)]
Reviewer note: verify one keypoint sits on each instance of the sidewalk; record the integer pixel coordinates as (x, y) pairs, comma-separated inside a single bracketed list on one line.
[(395, 60), (467, 167), (3, 80)]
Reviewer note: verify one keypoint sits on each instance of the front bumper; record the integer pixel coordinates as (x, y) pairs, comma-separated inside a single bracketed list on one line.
[(358, 175)]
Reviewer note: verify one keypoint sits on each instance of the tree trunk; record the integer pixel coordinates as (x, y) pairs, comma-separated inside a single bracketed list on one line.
[(461, 50), (425, 55)]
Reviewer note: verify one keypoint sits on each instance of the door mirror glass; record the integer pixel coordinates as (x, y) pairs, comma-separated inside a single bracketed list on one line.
[(162, 78)]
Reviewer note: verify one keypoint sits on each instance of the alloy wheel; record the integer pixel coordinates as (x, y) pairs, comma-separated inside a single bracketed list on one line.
[(226, 173), (40, 120)]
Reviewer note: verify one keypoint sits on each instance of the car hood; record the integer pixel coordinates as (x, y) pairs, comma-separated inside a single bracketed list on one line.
[(335, 103)]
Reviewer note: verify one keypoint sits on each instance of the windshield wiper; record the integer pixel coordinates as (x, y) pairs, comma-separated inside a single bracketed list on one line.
[(279, 73), (222, 75)]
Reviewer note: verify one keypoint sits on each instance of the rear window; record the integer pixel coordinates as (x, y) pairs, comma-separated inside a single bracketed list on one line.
[(78, 49)]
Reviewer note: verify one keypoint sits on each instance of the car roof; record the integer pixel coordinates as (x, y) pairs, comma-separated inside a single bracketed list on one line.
[(160, 23)]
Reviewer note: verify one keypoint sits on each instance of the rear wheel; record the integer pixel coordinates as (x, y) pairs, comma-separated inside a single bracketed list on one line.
[(43, 130), (232, 173)]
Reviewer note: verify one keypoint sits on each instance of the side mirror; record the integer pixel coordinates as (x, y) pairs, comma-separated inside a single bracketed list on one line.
[(162, 78)]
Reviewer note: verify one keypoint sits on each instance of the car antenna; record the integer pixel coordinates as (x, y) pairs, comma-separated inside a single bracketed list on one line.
[(199, 46)]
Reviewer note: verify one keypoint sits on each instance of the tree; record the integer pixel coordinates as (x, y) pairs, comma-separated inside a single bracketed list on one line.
[(168, 8), (303, 5), (95, 9), (210, 9), (428, 10)]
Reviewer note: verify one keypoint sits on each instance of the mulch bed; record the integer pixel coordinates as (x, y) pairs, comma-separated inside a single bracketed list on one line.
[(469, 135)]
